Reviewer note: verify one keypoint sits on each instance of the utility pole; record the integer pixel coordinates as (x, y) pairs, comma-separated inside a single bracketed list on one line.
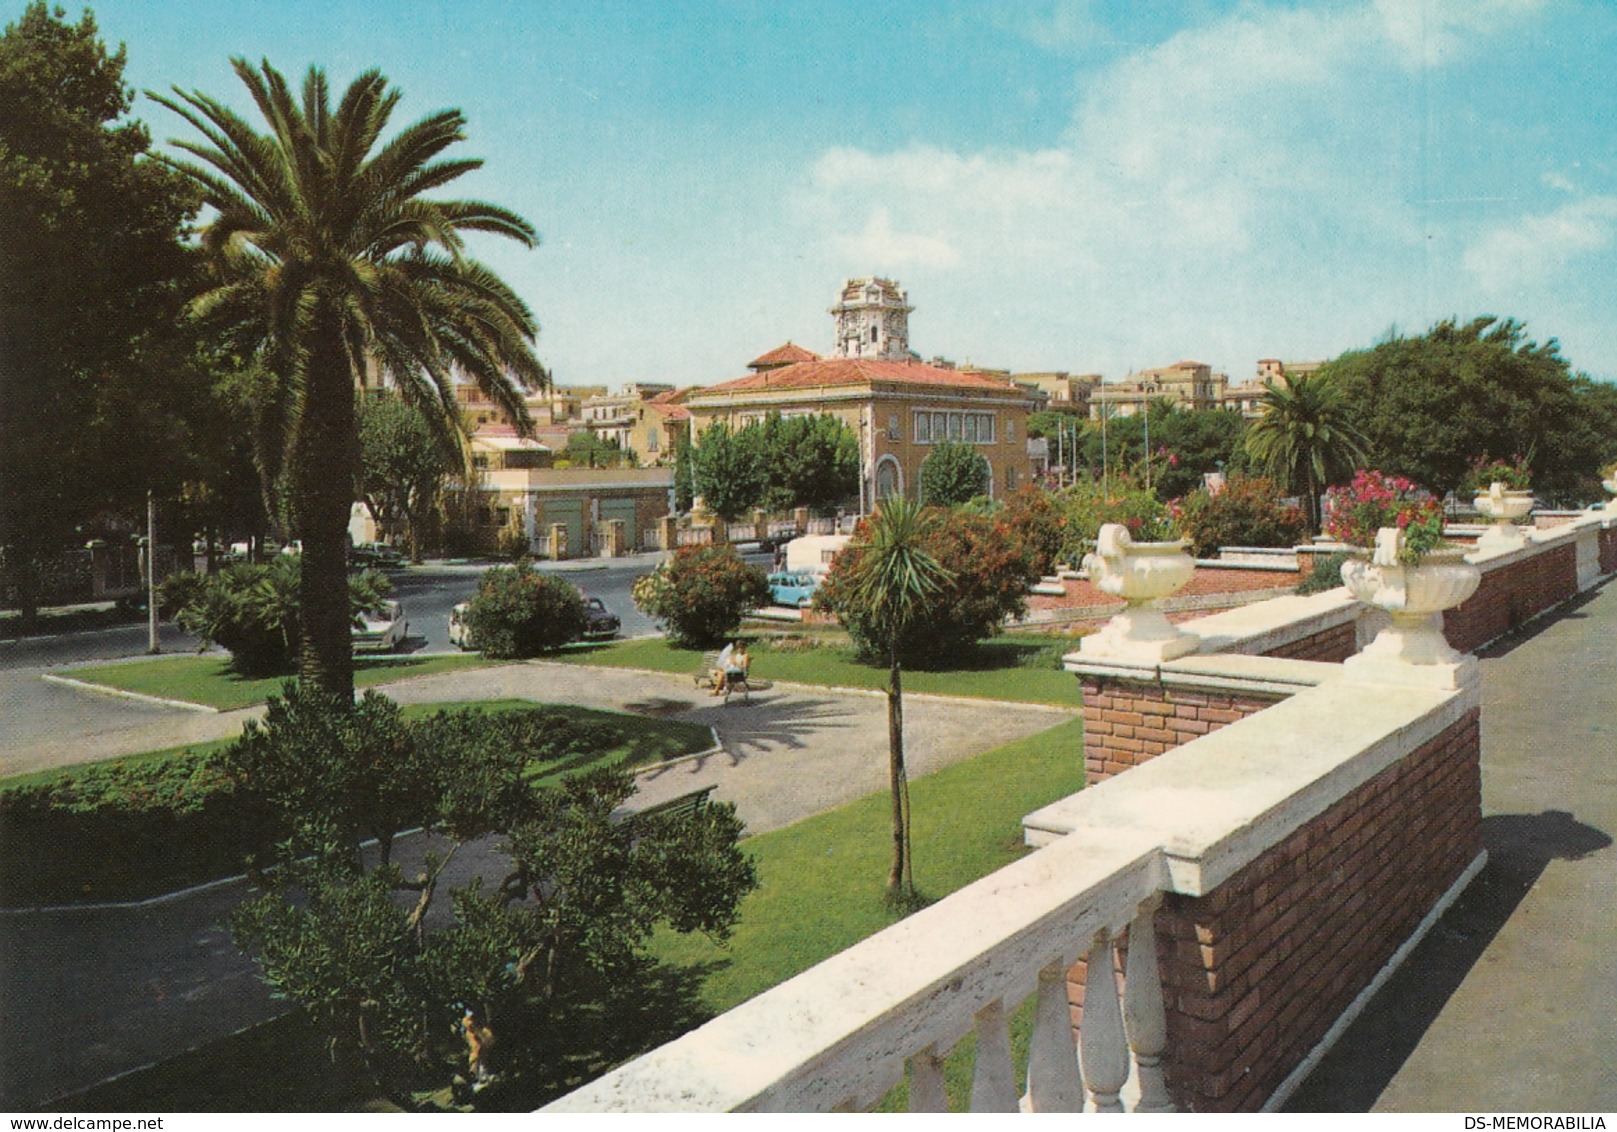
[(151, 573)]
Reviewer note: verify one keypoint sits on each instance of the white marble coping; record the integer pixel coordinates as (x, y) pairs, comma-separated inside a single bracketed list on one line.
[(838, 1034), (1218, 802), (1235, 672), (1264, 625)]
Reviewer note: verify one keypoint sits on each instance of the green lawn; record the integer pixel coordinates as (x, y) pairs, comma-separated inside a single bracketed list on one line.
[(1023, 668), (208, 680)]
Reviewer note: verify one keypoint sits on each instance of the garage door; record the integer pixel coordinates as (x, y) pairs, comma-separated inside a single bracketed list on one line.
[(622, 509)]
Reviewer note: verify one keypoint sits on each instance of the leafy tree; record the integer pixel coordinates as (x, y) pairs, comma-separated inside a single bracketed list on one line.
[(1191, 443), (90, 260), (1089, 504), (1430, 406), (808, 461), (403, 467), (330, 259), (952, 473), (539, 940), (586, 449), (701, 593), (520, 612), (1247, 512), (890, 581), (1306, 438), (684, 472), (729, 472)]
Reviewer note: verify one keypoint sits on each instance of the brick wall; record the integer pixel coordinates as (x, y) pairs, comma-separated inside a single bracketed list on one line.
[(1129, 722), (1257, 971), (1333, 645), (1507, 597), (1608, 550), (1207, 581)]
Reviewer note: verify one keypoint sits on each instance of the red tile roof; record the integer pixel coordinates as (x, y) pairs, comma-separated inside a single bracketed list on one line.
[(857, 371), (789, 354)]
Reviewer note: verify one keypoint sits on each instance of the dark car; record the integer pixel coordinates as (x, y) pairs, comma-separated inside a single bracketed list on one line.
[(599, 621)]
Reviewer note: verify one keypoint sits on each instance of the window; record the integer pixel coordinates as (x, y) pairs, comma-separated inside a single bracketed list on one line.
[(968, 428), (923, 428), (892, 428), (873, 334), (954, 425), (935, 428), (1010, 477), (1010, 429), (651, 440)]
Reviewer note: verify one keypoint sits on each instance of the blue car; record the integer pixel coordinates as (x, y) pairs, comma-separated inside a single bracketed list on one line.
[(793, 589)]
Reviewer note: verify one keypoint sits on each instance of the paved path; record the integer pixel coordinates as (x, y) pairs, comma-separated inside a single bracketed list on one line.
[(87, 993), (1510, 1004)]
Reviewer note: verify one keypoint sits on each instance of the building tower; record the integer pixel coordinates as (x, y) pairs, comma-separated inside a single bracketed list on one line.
[(873, 321)]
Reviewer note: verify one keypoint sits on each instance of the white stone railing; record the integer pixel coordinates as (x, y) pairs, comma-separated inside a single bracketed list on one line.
[(840, 1035)]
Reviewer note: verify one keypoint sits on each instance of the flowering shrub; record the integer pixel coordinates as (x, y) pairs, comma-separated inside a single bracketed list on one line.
[(1034, 517), (1247, 512), (519, 612), (1513, 473), (701, 593), (1353, 514)]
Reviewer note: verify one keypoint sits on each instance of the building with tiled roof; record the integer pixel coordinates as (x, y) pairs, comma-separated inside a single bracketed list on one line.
[(789, 354), (899, 407), (1186, 384)]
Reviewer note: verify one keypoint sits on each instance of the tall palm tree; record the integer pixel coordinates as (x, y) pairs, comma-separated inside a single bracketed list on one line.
[(1305, 438), (893, 579), (331, 264)]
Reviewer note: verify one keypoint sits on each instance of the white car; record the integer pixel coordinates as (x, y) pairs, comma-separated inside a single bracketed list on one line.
[(383, 631)]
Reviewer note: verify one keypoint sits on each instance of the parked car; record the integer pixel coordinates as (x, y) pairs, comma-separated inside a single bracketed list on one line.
[(600, 623), (793, 588), (375, 554), (383, 631)]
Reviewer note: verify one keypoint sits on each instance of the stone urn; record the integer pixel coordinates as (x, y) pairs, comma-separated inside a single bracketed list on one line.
[(1503, 506), (1415, 598), (1140, 573)]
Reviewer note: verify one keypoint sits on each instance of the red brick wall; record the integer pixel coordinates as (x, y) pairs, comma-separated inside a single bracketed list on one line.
[(1333, 645), (1207, 580), (1509, 596), (1127, 723), (1257, 971), (1608, 550)]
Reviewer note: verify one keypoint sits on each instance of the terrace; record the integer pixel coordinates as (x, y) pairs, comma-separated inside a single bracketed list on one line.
[(1285, 819)]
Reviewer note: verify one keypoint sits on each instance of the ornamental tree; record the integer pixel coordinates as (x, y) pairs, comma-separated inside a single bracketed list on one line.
[(701, 594), (953, 473)]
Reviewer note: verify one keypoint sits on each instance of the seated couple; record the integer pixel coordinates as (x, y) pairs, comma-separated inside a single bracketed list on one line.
[(731, 667)]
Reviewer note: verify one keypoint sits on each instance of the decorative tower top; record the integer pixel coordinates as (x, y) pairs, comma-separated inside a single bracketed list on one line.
[(873, 320)]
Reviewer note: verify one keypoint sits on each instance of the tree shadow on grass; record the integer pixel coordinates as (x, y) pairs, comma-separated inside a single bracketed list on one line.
[(1372, 1051)]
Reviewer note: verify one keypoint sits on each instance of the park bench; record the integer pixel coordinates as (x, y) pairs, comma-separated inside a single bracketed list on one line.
[(679, 807), (703, 678)]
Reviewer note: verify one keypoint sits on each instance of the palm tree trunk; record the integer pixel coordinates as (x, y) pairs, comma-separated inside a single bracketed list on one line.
[(325, 470), (896, 776)]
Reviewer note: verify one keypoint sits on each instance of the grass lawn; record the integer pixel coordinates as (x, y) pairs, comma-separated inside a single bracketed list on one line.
[(208, 680), (1024, 668), (821, 880)]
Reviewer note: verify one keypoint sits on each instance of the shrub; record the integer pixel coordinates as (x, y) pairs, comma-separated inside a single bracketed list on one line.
[(1088, 506), (952, 473), (1327, 574), (1513, 473), (1247, 512), (701, 593), (520, 612), (252, 610), (1036, 518), (990, 573)]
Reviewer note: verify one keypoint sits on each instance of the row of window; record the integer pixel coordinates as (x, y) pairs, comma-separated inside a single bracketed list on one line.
[(972, 428)]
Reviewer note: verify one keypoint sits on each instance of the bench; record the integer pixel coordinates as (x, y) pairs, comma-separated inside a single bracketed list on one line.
[(682, 806), (703, 678)]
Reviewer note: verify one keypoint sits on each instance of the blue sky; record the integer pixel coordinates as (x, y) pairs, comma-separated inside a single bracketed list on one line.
[(1085, 186)]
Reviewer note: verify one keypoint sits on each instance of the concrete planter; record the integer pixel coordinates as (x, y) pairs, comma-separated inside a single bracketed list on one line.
[(1504, 507), (1140, 573), (1415, 598)]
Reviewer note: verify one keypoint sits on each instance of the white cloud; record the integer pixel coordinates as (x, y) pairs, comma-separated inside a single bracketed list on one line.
[(1244, 185), (1535, 249)]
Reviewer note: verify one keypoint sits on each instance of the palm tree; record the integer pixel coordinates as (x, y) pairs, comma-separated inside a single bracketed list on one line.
[(892, 580), (330, 264), (1305, 439)]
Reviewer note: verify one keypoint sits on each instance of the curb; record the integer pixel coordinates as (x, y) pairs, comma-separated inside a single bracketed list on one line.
[(139, 697)]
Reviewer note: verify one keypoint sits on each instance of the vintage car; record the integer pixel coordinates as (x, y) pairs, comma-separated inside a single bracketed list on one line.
[(382, 631), (793, 588)]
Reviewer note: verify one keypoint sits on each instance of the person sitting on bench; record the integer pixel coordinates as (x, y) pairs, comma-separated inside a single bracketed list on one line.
[(732, 667)]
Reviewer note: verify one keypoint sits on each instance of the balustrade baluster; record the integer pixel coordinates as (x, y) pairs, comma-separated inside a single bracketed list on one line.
[(1053, 1081), (1103, 1049), (926, 1082), (1142, 1009), (993, 1082)]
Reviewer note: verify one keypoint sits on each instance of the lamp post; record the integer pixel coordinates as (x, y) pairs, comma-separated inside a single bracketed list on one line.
[(151, 574)]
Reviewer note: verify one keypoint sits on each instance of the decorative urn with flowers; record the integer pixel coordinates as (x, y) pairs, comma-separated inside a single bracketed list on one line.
[(1406, 569), (1503, 496), (1140, 573)]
